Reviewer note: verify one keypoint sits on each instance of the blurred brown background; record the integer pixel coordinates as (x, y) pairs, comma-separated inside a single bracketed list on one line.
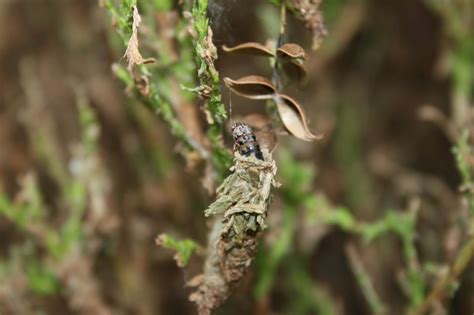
[(384, 71)]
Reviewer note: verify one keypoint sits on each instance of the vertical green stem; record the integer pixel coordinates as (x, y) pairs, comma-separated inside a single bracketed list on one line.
[(209, 81)]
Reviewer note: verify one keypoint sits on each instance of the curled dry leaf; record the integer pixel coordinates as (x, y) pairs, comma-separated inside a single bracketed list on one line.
[(252, 87), (210, 51), (292, 57), (142, 82), (132, 52), (294, 118), (250, 48), (291, 50)]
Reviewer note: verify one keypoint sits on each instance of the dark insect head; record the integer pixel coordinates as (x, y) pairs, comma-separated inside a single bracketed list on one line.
[(240, 129), (245, 140)]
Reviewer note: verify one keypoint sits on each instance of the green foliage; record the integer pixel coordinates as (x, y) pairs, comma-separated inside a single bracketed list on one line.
[(122, 73), (269, 259), (28, 207), (222, 158), (403, 225), (41, 278), (155, 101), (348, 153), (183, 248), (332, 11), (25, 214), (319, 211), (163, 5), (168, 70), (209, 80), (270, 17), (61, 242), (23, 261), (297, 179), (275, 2), (122, 14), (463, 67), (308, 297), (89, 128)]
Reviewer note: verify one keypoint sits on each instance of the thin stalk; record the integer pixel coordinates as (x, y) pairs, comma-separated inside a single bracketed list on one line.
[(441, 287), (364, 281), (154, 99), (209, 81)]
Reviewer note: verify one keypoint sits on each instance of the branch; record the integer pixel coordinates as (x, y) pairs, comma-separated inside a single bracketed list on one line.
[(442, 286), (209, 85), (126, 20)]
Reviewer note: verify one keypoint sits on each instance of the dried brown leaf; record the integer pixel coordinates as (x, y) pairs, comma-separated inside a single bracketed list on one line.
[(294, 118), (250, 48), (142, 82), (210, 50), (292, 57), (132, 53), (252, 87), (291, 50)]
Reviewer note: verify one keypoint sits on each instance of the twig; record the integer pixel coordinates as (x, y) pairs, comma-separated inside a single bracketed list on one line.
[(364, 281), (281, 40), (462, 120), (441, 287), (282, 23), (151, 97), (209, 88)]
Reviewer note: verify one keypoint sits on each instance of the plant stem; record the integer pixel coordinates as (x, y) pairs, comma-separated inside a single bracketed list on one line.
[(456, 18), (282, 23), (440, 288), (281, 40), (364, 281), (209, 82), (153, 100)]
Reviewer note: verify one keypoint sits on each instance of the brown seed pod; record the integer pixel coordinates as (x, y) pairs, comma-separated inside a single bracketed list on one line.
[(252, 87), (294, 118), (291, 50), (292, 57), (294, 69), (250, 48)]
